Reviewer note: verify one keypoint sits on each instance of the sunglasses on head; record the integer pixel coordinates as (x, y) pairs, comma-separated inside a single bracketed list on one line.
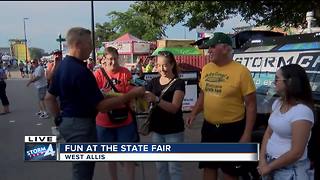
[(165, 53)]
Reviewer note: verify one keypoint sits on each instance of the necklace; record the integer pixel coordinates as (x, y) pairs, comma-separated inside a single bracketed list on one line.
[(164, 81)]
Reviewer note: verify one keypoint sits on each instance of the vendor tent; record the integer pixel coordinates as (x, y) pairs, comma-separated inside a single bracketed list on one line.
[(129, 47)]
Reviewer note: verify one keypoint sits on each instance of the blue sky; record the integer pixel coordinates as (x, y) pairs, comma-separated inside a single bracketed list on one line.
[(49, 18)]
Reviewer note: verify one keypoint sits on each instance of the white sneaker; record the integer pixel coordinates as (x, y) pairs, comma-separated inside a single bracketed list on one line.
[(55, 131), (39, 113), (44, 116)]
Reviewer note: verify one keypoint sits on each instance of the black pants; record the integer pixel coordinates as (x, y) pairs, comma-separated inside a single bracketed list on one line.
[(3, 96), (223, 133)]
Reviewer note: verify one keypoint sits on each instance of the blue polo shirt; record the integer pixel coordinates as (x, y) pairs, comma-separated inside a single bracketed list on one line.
[(76, 88)]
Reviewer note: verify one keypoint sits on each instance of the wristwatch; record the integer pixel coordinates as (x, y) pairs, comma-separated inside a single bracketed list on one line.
[(157, 101)]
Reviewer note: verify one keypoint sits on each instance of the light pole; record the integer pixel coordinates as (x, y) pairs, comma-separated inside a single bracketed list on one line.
[(25, 37), (93, 33)]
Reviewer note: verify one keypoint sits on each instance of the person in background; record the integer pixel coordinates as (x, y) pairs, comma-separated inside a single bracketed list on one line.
[(98, 63), (150, 65), (52, 66), (228, 100), (3, 95), (90, 64), (6, 67), (284, 147), (139, 67), (167, 122), (80, 98), (155, 68), (15, 63), (125, 130), (22, 69), (28, 68), (40, 82), (132, 69)]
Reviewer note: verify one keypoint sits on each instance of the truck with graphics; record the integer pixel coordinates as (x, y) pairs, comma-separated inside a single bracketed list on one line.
[(265, 55)]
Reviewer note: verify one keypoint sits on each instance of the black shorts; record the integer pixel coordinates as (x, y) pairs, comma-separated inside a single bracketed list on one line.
[(231, 132)]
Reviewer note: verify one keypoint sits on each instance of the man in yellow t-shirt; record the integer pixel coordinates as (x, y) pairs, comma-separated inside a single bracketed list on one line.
[(228, 100)]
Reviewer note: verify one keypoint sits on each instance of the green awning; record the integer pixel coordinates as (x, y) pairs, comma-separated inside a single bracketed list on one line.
[(100, 53), (179, 51)]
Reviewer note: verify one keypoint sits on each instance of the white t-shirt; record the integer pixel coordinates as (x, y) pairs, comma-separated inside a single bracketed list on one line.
[(39, 72), (280, 123)]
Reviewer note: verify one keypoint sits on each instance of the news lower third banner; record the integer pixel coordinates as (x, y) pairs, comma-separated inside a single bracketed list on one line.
[(40, 151)]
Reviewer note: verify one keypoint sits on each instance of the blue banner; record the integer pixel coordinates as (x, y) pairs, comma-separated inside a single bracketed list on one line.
[(159, 148)]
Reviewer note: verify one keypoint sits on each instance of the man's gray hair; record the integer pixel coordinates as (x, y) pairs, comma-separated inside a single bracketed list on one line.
[(75, 34)]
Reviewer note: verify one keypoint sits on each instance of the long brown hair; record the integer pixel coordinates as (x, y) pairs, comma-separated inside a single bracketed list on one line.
[(297, 84)]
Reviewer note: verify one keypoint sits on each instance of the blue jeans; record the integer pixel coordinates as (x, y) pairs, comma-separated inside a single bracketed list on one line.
[(79, 130), (168, 170), (297, 171), (128, 133)]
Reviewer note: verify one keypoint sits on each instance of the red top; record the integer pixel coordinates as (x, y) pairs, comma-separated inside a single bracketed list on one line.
[(121, 80)]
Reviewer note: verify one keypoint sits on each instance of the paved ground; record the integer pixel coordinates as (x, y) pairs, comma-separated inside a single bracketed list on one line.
[(22, 121)]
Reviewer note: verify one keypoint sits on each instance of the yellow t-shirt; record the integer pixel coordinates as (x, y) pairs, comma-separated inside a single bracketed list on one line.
[(224, 90)]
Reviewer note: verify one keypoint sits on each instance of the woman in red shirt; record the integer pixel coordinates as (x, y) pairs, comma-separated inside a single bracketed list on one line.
[(117, 125)]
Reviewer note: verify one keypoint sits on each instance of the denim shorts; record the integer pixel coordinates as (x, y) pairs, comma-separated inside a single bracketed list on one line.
[(128, 133), (300, 170)]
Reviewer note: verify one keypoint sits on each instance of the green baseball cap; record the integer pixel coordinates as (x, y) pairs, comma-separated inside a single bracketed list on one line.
[(218, 38)]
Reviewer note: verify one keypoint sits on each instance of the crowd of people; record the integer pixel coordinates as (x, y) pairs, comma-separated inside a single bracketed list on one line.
[(144, 66), (91, 102)]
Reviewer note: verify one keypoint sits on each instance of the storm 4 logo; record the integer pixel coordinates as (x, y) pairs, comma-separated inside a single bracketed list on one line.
[(39, 152)]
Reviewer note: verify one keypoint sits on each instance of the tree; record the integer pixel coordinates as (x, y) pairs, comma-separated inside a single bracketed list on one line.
[(136, 24), (36, 53), (104, 32), (210, 14), (128, 22)]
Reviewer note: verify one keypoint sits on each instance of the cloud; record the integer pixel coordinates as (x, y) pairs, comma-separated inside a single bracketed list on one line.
[(49, 18)]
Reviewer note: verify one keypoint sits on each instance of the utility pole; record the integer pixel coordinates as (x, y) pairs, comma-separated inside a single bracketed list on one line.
[(25, 37), (93, 33)]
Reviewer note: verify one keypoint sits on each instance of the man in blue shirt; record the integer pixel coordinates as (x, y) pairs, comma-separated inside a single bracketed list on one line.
[(80, 97)]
